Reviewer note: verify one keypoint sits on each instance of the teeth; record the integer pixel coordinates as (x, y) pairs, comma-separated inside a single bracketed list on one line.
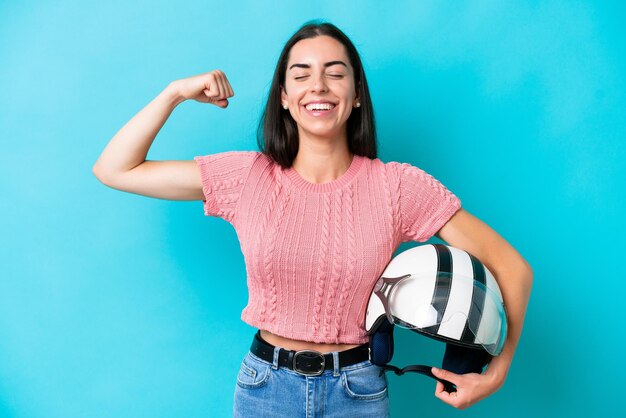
[(320, 106)]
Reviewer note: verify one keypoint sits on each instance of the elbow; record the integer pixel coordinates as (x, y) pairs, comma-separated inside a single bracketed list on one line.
[(523, 269), (97, 174), (528, 273), (100, 175), (518, 268)]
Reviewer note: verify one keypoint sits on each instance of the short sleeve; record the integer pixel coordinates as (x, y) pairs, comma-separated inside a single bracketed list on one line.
[(223, 177), (425, 204)]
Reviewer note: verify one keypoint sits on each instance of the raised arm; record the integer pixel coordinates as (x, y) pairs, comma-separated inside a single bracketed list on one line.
[(123, 165)]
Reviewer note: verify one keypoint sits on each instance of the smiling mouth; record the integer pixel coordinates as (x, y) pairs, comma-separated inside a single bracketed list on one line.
[(317, 107)]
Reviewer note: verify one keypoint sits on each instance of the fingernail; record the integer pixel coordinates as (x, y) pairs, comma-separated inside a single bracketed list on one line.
[(435, 370)]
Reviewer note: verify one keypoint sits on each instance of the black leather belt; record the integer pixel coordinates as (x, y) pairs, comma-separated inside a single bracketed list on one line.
[(307, 362)]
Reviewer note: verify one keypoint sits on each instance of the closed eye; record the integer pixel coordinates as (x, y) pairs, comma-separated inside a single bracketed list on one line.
[(337, 76)]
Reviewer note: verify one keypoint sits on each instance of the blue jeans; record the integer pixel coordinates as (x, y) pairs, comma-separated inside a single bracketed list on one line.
[(264, 390)]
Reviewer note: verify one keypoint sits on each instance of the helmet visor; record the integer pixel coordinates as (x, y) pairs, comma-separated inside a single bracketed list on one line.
[(449, 307)]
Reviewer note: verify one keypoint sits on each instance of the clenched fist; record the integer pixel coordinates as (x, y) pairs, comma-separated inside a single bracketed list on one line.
[(212, 87)]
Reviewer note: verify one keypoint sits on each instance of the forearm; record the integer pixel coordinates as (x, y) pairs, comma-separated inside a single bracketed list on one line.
[(129, 147), (515, 285)]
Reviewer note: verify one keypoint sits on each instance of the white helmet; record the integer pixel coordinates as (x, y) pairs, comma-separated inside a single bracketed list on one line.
[(444, 293)]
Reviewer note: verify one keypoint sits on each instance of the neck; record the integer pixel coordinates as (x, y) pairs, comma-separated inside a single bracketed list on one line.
[(322, 161)]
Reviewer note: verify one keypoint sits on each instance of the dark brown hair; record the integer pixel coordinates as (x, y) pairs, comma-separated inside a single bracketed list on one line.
[(277, 133)]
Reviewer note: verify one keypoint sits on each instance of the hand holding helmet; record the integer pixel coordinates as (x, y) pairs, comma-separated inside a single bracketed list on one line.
[(469, 388), (446, 294)]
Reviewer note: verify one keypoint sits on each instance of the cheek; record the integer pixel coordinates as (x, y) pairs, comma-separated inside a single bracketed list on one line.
[(294, 88), (348, 92)]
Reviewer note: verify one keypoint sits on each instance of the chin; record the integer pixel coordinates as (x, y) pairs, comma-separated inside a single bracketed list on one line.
[(323, 133)]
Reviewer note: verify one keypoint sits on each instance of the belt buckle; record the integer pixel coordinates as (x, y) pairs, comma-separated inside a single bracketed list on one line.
[(307, 373)]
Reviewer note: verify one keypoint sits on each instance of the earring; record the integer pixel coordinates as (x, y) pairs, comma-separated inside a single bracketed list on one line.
[(285, 106), (358, 104)]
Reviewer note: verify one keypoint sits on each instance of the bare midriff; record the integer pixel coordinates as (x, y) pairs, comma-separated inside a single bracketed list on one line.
[(297, 345)]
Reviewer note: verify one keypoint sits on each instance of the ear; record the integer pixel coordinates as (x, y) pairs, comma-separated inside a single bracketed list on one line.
[(283, 95)]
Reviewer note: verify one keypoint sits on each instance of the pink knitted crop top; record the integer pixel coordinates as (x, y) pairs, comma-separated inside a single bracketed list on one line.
[(313, 252)]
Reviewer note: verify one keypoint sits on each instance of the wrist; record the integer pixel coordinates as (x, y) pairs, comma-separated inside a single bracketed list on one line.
[(173, 94), (496, 372)]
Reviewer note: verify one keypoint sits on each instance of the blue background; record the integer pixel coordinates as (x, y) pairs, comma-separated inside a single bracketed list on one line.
[(117, 305)]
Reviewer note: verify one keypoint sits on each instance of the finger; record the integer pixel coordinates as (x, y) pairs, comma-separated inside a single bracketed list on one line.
[(446, 375), (439, 387), (212, 89), (225, 88), (445, 396), (449, 398), (231, 93), (228, 90), (220, 82), (223, 103)]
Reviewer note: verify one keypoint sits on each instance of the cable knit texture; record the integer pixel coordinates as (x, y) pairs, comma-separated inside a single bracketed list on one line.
[(313, 252)]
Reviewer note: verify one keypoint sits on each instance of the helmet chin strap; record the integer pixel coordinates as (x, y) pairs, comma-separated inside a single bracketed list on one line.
[(381, 352), (459, 360), (421, 369)]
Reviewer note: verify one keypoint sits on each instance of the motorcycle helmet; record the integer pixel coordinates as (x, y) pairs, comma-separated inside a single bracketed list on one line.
[(444, 293)]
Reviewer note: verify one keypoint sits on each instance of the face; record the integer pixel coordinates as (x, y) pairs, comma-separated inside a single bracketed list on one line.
[(319, 87)]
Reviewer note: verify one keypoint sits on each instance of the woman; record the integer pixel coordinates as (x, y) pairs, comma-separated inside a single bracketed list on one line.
[(318, 217)]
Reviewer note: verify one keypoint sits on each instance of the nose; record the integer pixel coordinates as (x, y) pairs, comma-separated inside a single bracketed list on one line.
[(318, 83)]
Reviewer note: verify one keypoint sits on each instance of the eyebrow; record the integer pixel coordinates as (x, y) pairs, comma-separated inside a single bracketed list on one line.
[(328, 64)]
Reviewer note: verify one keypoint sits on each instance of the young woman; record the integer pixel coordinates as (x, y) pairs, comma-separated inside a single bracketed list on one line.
[(318, 217)]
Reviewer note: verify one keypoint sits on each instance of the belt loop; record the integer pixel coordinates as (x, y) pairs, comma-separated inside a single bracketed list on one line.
[(335, 364), (275, 360)]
